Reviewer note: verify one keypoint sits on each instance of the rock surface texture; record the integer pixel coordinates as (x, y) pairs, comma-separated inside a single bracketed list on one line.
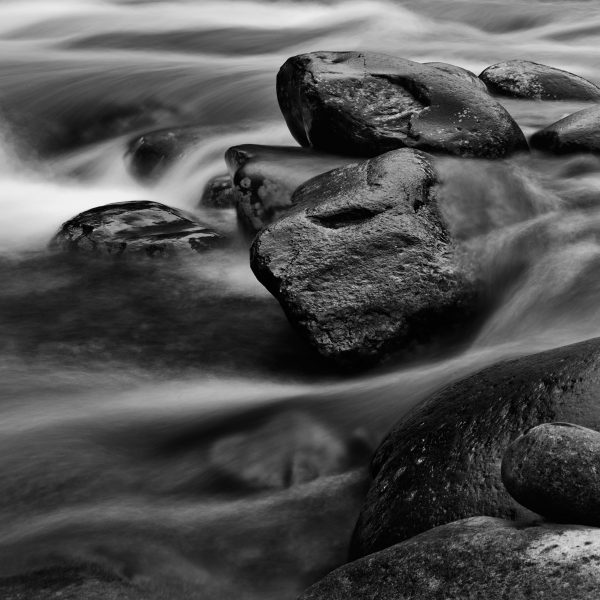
[(530, 80), (363, 263), (475, 558), (441, 462), (365, 104), (218, 193), (134, 227), (554, 470)]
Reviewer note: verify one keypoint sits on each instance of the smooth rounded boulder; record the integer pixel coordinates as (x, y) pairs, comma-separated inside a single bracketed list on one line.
[(476, 558), (554, 470), (534, 81), (364, 104), (145, 227), (363, 264)]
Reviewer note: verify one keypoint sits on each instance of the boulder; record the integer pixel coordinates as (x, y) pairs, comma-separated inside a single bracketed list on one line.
[(464, 74), (218, 193), (475, 558), (140, 226), (363, 264), (533, 81), (265, 177), (441, 462), (579, 132), (365, 104), (552, 469)]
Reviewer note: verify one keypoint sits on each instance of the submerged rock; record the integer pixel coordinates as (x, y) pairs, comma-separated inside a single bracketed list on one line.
[(365, 104), (475, 558), (363, 263), (531, 80), (579, 132), (138, 226), (553, 470), (265, 177), (441, 462), (218, 193)]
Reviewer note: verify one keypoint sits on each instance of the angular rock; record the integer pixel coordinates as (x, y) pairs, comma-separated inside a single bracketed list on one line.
[(579, 132), (363, 263), (441, 462), (218, 193), (265, 177), (140, 226), (531, 80), (475, 558), (553, 469), (365, 104)]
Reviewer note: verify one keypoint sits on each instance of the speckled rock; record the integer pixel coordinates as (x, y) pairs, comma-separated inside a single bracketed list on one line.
[(365, 104), (265, 177), (363, 263), (218, 193), (141, 226), (441, 462), (579, 132), (475, 558), (526, 79), (554, 470), (464, 74)]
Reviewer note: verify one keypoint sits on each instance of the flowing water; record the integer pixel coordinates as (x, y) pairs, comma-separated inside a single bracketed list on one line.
[(117, 381)]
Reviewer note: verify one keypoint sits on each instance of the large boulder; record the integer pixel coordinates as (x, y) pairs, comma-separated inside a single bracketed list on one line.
[(475, 558), (464, 74), (365, 104), (579, 132), (441, 462), (265, 177), (140, 226), (552, 469), (363, 263), (531, 80)]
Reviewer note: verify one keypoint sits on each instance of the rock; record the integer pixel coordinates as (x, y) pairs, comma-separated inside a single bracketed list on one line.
[(526, 79), (464, 74), (218, 193), (579, 132), (475, 558), (552, 469), (265, 177), (363, 263), (365, 104), (139, 226), (441, 462)]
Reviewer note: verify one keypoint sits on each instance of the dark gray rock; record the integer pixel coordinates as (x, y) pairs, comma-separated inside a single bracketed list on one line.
[(366, 104), (475, 558), (526, 79), (554, 470), (265, 177), (218, 193), (134, 227), (363, 263), (579, 132), (441, 462), (464, 74)]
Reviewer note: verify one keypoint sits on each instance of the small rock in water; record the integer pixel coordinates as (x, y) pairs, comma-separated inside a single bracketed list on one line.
[(530, 80), (134, 227), (218, 193), (554, 470), (365, 104), (478, 558)]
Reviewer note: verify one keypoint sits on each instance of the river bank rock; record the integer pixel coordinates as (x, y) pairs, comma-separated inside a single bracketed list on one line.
[(552, 469), (464, 74), (579, 132), (441, 462), (142, 226), (218, 193), (365, 104), (363, 263), (265, 177), (480, 557), (533, 81)]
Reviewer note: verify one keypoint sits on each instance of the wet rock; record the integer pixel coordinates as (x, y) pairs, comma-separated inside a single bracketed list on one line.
[(366, 104), (579, 132), (141, 226), (480, 557), (552, 469), (441, 462), (218, 193), (363, 263), (265, 177), (464, 74), (526, 79)]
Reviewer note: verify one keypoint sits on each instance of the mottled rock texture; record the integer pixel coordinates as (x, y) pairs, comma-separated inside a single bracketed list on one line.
[(218, 193)]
